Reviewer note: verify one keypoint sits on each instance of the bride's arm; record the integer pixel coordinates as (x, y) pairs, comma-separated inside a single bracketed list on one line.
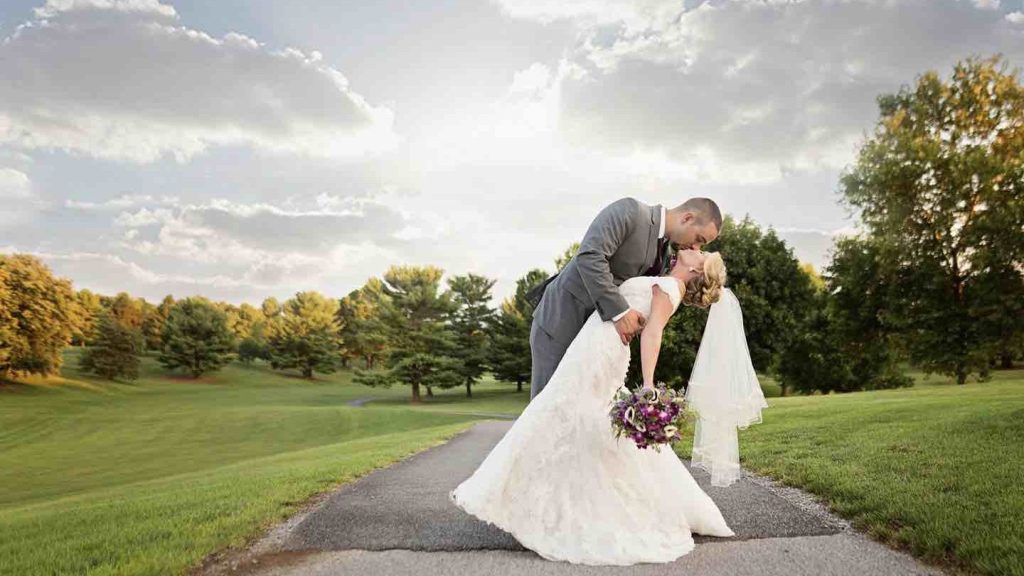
[(650, 338)]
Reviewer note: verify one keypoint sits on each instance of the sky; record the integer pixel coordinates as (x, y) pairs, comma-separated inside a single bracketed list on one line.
[(245, 149)]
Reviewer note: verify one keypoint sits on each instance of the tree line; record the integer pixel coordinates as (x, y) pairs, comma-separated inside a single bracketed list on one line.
[(411, 326)]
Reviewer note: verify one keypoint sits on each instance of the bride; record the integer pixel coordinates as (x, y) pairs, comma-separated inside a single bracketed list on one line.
[(566, 488)]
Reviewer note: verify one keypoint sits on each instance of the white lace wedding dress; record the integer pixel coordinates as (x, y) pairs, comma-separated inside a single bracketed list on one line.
[(564, 487)]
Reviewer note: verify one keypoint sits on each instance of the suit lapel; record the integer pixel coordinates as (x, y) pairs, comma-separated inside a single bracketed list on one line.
[(652, 237)]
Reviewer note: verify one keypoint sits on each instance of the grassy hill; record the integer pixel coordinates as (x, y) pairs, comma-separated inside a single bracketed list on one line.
[(150, 477)]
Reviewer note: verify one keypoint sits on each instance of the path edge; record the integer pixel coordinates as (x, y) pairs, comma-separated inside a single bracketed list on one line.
[(266, 542)]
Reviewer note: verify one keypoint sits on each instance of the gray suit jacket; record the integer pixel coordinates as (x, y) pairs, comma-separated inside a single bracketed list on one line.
[(620, 244)]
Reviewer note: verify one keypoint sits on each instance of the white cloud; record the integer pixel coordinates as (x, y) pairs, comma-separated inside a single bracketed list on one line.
[(151, 7), (120, 267), (224, 231), (109, 274), (123, 79), (14, 185), (234, 251), (120, 202), (757, 104), (632, 14), (18, 202), (743, 91)]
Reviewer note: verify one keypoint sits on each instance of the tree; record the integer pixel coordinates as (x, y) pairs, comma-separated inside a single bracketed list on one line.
[(817, 282), (240, 318), (270, 308), (114, 352), (362, 326), (250, 330), (152, 325), (1000, 310), (570, 252), (250, 349), (813, 360), (859, 297), (772, 289), (91, 306), (471, 319), (248, 323), (125, 309), (510, 356), (304, 335), (421, 343), (8, 324), (41, 314), (941, 180), (844, 343), (195, 337)]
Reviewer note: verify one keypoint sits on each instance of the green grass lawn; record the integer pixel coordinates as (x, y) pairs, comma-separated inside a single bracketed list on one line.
[(489, 397), (150, 477), (937, 469)]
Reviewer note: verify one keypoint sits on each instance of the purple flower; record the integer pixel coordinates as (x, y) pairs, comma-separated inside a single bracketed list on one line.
[(644, 416)]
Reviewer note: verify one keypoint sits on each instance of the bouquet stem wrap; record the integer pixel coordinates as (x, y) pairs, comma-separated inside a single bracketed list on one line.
[(724, 391)]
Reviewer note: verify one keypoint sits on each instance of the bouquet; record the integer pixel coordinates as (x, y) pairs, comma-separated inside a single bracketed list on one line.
[(649, 416)]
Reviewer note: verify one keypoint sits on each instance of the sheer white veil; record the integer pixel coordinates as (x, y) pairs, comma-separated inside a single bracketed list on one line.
[(724, 391)]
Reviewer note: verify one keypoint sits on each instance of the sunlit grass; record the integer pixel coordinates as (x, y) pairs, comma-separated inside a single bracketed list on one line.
[(150, 477), (935, 469)]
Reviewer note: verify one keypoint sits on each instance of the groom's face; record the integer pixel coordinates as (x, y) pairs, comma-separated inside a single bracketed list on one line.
[(692, 233)]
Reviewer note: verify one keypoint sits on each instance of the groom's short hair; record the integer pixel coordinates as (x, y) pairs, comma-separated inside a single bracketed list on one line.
[(705, 209)]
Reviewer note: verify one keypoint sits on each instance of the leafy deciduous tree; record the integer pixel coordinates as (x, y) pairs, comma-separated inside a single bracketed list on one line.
[(771, 287), (942, 182), (41, 313), (91, 306)]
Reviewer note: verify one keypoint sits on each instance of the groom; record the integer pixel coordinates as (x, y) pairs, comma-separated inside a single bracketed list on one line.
[(627, 238)]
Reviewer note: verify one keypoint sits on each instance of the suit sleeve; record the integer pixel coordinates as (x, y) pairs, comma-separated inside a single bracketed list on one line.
[(604, 236)]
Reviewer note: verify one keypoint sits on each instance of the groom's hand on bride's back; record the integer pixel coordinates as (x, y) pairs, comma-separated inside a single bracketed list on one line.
[(628, 326)]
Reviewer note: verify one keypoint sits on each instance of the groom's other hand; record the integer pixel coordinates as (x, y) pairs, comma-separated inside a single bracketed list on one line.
[(627, 326)]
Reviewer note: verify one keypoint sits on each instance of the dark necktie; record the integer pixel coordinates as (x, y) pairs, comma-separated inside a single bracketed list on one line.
[(655, 269)]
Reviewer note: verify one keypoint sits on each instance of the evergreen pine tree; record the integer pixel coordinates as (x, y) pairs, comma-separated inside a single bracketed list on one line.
[(114, 352)]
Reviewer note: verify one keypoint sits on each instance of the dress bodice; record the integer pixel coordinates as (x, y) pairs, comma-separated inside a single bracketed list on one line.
[(637, 292)]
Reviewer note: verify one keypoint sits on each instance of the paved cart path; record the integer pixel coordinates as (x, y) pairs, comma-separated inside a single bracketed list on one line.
[(398, 520)]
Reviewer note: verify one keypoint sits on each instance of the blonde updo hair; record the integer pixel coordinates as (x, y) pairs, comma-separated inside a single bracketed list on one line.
[(704, 290)]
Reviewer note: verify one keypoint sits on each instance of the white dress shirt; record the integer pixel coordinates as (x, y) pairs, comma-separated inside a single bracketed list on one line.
[(661, 234)]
